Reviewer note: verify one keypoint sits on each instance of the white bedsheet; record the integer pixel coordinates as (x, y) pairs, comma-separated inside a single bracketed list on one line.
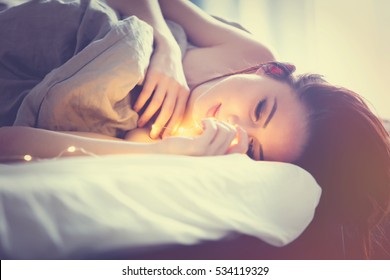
[(74, 207)]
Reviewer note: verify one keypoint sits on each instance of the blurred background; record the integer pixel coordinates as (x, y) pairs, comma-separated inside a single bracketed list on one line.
[(347, 41)]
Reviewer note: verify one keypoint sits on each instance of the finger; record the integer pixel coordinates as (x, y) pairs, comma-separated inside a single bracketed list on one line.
[(147, 91), (240, 143), (210, 130), (218, 142), (226, 134), (156, 102), (177, 115), (165, 114)]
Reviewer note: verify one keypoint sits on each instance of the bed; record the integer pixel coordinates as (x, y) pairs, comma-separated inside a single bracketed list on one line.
[(87, 206), (165, 207), (138, 206)]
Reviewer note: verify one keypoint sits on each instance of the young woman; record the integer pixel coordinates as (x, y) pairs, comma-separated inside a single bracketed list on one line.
[(230, 96)]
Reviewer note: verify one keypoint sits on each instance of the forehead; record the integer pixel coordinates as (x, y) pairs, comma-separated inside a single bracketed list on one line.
[(286, 135)]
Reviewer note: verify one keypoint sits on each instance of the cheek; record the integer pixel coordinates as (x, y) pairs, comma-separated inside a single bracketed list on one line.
[(207, 99), (199, 107), (224, 88), (234, 97)]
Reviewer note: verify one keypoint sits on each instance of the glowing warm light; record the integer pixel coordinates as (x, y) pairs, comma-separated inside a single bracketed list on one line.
[(234, 142), (27, 157), (71, 149), (180, 130), (187, 131), (183, 131)]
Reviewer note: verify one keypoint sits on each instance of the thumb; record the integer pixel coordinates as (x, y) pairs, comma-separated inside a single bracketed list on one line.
[(240, 142)]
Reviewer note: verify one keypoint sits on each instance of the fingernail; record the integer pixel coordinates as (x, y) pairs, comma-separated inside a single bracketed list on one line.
[(154, 133), (199, 128)]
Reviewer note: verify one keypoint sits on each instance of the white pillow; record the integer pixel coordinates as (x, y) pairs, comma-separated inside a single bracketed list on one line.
[(74, 207)]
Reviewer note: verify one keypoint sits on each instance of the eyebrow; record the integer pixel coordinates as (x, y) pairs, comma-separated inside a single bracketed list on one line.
[(271, 114)]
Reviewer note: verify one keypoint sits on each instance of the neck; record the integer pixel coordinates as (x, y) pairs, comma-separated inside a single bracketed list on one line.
[(190, 126), (189, 122)]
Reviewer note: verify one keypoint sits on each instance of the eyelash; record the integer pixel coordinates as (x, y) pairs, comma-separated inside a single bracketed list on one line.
[(259, 109), (251, 150)]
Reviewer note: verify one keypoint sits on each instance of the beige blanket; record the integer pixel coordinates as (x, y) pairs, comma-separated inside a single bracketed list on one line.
[(70, 65), (90, 91)]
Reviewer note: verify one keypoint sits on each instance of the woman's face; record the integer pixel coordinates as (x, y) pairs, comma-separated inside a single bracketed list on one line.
[(267, 109)]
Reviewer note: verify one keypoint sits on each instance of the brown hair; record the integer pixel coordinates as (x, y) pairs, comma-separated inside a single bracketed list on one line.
[(348, 153)]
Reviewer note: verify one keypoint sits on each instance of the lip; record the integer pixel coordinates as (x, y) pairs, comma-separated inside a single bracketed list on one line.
[(212, 112)]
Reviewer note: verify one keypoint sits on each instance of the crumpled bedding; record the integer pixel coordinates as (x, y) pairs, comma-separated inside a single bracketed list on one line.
[(76, 74), (90, 92), (40, 36)]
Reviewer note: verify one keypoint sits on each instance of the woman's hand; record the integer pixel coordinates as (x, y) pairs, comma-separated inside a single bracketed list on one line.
[(217, 138), (164, 85), (166, 88)]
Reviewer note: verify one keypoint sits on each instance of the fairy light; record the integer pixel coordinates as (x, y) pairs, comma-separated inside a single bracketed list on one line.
[(71, 149), (234, 142), (30, 158), (177, 131), (27, 157), (182, 131), (74, 149)]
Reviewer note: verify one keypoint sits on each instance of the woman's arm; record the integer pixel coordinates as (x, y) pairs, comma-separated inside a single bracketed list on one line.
[(17, 141), (147, 10), (40, 143), (202, 29), (222, 48)]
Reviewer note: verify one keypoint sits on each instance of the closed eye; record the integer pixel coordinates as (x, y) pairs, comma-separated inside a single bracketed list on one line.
[(251, 150), (253, 146), (259, 109)]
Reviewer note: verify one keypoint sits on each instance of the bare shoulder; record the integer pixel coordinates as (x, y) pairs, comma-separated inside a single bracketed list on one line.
[(204, 63)]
